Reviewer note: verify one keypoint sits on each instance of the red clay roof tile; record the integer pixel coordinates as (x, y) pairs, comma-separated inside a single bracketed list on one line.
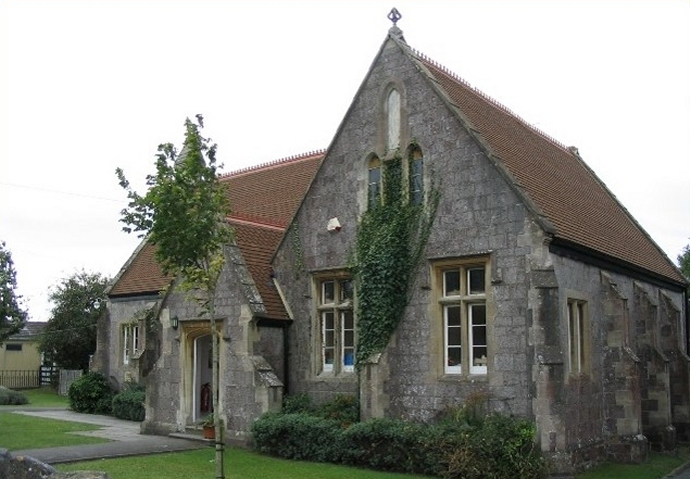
[(263, 200), (566, 191)]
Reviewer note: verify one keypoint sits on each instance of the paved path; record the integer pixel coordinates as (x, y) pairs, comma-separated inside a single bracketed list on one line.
[(125, 439), (683, 473)]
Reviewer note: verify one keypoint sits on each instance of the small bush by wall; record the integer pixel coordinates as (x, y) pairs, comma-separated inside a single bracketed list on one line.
[(91, 394), (10, 397), (298, 436), (129, 404), (344, 409)]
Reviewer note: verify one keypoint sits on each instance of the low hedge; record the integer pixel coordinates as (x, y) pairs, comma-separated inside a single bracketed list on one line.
[(129, 405), (496, 447), (10, 397)]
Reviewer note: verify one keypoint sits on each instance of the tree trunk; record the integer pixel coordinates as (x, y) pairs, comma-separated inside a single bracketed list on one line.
[(217, 423)]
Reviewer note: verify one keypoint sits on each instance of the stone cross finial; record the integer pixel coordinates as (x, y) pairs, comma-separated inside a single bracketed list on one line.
[(394, 16)]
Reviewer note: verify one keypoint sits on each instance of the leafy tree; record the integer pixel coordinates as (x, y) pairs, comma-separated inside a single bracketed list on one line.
[(184, 213), (12, 316), (684, 263), (69, 338)]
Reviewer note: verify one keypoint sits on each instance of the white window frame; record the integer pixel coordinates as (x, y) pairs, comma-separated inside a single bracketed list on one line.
[(337, 342), (464, 301), (130, 342)]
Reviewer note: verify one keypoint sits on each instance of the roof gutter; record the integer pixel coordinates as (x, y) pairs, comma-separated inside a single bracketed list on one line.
[(577, 252)]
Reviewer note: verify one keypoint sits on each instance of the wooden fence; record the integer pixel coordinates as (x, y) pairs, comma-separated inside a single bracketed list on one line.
[(67, 377), (46, 376), (20, 379)]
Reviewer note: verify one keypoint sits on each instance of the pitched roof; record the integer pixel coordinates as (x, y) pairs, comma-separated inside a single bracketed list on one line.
[(31, 330), (258, 243), (565, 191), (262, 201), (270, 193), (141, 275)]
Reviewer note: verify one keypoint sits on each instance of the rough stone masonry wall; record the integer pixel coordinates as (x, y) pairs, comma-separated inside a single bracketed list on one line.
[(478, 213), (626, 391), (120, 313), (655, 385), (621, 366), (169, 406), (673, 334)]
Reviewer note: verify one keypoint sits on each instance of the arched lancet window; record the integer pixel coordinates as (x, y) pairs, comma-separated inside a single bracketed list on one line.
[(416, 176), (393, 108), (374, 182)]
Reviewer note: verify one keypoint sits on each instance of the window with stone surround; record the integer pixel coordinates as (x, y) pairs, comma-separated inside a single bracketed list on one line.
[(462, 292), (130, 342), (374, 182), (393, 119), (336, 324), (578, 359), (415, 176)]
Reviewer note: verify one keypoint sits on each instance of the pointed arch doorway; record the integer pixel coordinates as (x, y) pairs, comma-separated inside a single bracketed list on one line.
[(197, 371)]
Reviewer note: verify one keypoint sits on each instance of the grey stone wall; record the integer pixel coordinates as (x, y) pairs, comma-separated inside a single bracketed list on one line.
[(635, 345), (109, 347), (249, 386), (581, 418), (478, 214)]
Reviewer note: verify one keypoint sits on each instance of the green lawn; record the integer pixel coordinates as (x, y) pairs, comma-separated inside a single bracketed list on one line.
[(239, 464), (658, 465), (29, 432), (44, 397)]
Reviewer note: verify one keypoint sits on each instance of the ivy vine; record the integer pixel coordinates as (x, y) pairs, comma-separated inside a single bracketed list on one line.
[(391, 238)]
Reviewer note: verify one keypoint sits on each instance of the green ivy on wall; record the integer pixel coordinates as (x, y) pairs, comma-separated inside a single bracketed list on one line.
[(391, 238)]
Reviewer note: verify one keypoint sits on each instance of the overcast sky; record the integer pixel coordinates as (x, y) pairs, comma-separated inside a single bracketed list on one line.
[(91, 85)]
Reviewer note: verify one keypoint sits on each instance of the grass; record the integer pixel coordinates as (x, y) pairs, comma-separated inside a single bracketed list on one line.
[(29, 432), (239, 464), (657, 466), (44, 397)]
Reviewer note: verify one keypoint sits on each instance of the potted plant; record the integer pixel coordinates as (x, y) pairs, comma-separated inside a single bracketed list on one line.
[(207, 426)]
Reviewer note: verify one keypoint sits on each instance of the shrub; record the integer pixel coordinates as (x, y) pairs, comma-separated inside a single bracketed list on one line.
[(387, 445), (91, 394), (299, 403), (9, 397), (129, 404), (298, 436), (344, 409), (502, 447), (465, 442)]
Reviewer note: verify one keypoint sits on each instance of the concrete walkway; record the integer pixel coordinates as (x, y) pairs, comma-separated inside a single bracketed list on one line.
[(124, 436), (681, 473)]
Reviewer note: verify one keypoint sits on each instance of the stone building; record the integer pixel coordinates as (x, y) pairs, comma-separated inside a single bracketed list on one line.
[(536, 287)]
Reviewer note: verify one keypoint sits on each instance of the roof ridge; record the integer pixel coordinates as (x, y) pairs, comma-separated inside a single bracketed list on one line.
[(274, 163), (489, 99)]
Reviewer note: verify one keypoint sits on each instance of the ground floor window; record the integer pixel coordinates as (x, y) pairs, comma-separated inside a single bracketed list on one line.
[(336, 323), (461, 291), (130, 342), (577, 336)]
